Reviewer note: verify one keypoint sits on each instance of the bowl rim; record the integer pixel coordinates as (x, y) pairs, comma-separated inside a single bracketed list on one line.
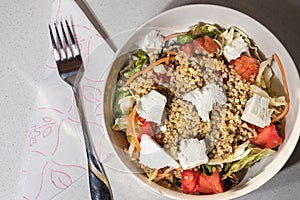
[(276, 164)]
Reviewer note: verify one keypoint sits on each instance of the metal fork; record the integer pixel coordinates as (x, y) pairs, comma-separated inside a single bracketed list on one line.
[(70, 68)]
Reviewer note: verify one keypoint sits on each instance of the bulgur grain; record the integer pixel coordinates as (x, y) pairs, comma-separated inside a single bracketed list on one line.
[(225, 128)]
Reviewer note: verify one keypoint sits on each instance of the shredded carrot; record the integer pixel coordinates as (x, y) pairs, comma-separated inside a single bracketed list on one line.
[(133, 77), (162, 60), (131, 128), (168, 60), (147, 69), (172, 59), (286, 90), (135, 139), (171, 53), (173, 35)]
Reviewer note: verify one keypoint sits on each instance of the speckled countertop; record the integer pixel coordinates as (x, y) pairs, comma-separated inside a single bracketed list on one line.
[(24, 39)]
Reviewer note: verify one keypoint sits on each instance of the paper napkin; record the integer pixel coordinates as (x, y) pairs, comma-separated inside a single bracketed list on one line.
[(55, 150)]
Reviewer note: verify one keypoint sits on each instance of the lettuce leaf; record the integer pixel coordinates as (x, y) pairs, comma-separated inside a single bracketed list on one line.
[(255, 155)]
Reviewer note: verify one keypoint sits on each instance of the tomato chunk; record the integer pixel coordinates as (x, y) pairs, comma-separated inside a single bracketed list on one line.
[(210, 184), (210, 45), (188, 49), (246, 67), (198, 44), (189, 181), (267, 137), (142, 120), (146, 129), (205, 43), (195, 181)]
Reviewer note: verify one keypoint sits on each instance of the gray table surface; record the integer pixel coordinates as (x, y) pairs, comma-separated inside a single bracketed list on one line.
[(24, 40)]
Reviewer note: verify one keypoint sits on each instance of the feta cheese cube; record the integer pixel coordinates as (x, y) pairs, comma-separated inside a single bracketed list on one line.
[(160, 69), (205, 98), (153, 42), (257, 111), (233, 50), (153, 156), (151, 106), (192, 153)]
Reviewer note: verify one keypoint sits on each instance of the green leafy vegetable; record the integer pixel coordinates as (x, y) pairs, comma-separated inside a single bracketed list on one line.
[(127, 67), (130, 73), (199, 30), (207, 169), (226, 167), (177, 182), (134, 65), (136, 61), (142, 54), (120, 93), (117, 109), (183, 39)]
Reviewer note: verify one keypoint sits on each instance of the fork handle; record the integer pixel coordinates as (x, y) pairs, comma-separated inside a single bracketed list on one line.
[(99, 185), (99, 188)]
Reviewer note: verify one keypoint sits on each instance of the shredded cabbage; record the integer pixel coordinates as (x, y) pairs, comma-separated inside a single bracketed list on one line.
[(233, 32), (126, 103), (265, 74), (254, 156), (121, 123), (274, 101)]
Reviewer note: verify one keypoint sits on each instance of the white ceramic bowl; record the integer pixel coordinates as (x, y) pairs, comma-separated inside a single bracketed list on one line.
[(180, 19)]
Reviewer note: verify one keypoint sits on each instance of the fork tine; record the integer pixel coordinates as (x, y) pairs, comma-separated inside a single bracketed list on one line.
[(61, 48), (74, 44), (69, 52), (56, 52)]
